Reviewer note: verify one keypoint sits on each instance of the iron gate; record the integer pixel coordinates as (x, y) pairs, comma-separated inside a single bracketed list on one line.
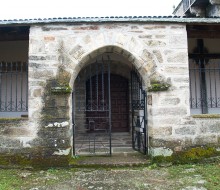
[(92, 110), (139, 118)]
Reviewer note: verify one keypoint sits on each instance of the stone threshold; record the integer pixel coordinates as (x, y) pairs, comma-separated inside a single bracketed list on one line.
[(115, 160)]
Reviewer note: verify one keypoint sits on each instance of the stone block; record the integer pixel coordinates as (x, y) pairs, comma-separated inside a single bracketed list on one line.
[(37, 65), (155, 43), (53, 28), (174, 111), (16, 132), (176, 58), (153, 27), (45, 73), (160, 131), (160, 36), (61, 132), (158, 55), (37, 92), (160, 120), (57, 142), (165, 142), (178, 41), (77, 52), (86, 27), (186, 130), (177, 70), (37, 57), (205, 140), (49, 38), (181, 79), (160, 151), (170, 101), (188, 142), (143, 36), (207, 127), (178, 27), (6, 142)]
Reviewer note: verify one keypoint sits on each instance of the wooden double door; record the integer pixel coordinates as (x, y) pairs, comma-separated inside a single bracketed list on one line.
[(97, 87)]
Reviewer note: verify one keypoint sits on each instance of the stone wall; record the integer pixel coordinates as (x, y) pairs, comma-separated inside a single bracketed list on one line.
[(158, 51), (58, 52)]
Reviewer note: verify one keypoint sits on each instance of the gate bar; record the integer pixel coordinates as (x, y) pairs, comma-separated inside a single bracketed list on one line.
[(110, 114)]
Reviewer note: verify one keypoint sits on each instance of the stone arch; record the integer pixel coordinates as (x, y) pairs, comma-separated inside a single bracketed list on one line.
[(144, 63), (82, 102)]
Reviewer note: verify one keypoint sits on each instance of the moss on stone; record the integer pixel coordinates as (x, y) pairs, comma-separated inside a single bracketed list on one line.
[(59, 90), (12, 119), (192, 155), (36, 162), (157, 86), (14, 160), (206, 116)]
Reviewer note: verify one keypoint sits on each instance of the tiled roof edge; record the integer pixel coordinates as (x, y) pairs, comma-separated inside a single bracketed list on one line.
[(111, 19)]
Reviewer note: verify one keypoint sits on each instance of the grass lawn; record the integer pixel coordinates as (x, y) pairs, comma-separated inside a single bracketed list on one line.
[(203, 176)]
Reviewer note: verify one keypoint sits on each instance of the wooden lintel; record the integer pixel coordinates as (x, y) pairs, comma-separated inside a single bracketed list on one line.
[(204, 56)]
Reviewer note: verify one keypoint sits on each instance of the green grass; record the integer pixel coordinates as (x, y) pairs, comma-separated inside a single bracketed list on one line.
[(176, 176), (193, 174), (9, 180)]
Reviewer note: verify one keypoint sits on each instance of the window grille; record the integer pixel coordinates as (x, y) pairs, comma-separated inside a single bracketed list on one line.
[(204, 86), (13, 87)]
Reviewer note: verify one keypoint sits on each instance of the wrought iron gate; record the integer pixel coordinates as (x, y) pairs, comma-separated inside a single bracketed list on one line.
[(92, 110), (139, 118)]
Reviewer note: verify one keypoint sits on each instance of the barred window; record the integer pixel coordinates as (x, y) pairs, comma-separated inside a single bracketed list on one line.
[(204, 74), (13, 89), (205, 86)]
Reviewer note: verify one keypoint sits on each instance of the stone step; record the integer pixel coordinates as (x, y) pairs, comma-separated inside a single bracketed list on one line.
[(103, 150), (85, 144), (85, 141)]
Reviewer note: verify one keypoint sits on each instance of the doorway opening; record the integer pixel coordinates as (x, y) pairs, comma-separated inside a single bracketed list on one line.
[(109, 108)]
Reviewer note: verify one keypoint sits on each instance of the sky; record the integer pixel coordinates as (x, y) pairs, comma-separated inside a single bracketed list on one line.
[(21, 9)]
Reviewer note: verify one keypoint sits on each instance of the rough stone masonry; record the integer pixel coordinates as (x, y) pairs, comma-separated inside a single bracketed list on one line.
[(57, 53)]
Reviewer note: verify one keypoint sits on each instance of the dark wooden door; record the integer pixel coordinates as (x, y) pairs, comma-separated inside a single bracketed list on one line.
[(119, 102)]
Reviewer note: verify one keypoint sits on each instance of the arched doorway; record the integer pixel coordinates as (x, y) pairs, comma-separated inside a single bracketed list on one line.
[(108, 99), (97, 94)]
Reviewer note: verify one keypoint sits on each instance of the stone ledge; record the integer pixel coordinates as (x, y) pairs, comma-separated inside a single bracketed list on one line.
[(206, 116), (7, 120)]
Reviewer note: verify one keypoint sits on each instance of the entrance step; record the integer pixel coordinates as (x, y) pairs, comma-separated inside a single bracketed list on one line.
[(98, 144), (122, 150), (116, 160)]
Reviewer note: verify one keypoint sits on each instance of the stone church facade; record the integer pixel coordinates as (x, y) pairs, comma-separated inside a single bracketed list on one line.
[(55, 53)]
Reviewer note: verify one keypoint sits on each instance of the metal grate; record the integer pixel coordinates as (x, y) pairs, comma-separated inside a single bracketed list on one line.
[(204, 85), (13, 86), (139, 117), (92, 110)]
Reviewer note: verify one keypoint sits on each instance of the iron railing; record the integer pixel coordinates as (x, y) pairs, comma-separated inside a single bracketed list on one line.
[(92, 110), (204, 85), (13, 87)]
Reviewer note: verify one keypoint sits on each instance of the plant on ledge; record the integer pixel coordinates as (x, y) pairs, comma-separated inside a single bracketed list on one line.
[(60, 85), (156, 86)]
